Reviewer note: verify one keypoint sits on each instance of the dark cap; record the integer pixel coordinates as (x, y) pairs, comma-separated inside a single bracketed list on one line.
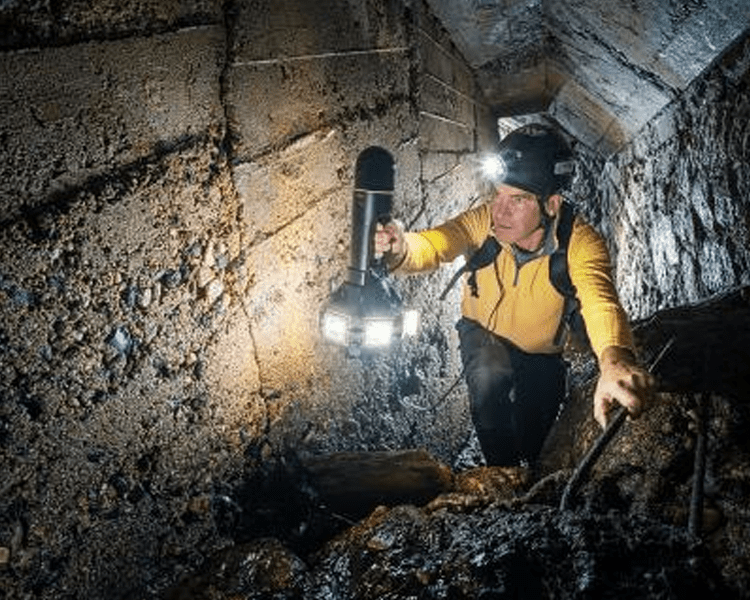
[(537, 159)]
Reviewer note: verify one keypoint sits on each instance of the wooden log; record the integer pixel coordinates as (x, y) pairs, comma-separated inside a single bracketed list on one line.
[(354, 483)]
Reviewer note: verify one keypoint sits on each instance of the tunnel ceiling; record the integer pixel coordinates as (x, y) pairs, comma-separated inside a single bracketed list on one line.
[(601, 69)]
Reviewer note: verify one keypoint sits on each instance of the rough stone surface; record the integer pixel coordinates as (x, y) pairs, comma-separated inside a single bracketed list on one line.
[(67, 22), (677, 194), (170, 229), (71, 116), (626, 534)]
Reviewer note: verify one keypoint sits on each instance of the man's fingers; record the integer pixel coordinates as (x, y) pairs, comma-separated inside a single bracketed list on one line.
[(636, 391), (622, 382), (646, 383), (604, 409), (600, 412), (383, 239), (388, 238), (626, 393)]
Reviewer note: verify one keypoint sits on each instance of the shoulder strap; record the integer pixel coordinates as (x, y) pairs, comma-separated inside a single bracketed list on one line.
[(559, 276), (484, 256), (558, 262)]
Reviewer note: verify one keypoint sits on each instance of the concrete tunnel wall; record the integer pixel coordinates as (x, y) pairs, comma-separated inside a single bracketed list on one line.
[(175, 195), (175, 186), (678, 194)]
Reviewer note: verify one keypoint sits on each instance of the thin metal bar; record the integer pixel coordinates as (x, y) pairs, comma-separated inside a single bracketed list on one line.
[(590, 457), (598, 447), (699, 470)]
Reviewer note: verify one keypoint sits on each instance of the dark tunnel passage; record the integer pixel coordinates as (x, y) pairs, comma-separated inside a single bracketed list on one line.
[(177, 182)]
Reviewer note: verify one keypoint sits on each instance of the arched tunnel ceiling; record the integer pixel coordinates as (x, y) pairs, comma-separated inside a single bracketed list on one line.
[(601, 69)]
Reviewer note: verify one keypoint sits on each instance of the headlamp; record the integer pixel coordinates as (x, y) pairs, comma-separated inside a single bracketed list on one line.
[(493, 168), (535, 158)]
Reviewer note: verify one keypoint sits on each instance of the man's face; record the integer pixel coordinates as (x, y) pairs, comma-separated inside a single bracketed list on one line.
[(516, 216)]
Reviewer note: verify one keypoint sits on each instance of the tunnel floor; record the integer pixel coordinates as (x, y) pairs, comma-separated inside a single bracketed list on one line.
[(489, 537)]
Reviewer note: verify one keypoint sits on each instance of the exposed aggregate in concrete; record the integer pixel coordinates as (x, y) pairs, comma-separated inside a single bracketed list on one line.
[(159, 293)]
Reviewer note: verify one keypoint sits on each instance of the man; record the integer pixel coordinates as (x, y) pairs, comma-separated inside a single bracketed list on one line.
[(512, 313)]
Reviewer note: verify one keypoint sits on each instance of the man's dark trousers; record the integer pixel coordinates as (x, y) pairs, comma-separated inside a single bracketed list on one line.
[(515, 396)]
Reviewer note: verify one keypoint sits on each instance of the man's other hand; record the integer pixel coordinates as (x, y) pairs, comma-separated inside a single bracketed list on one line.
[(621, 381)]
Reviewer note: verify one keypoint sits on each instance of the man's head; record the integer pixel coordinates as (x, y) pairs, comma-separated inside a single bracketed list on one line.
[(518, 216), (536, 164), (536, 158)]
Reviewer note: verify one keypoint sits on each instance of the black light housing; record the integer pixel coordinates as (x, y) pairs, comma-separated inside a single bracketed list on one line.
[(366, 312)]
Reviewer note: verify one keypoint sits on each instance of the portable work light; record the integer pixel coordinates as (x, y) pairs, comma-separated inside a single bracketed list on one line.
[(366, 312)]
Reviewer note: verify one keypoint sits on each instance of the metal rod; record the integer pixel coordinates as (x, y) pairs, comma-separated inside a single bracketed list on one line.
[(597, 448), (590, 457), (696, 501)]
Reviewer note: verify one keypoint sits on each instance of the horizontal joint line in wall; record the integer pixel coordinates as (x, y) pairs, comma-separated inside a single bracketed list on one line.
[(303, 57), (444, 119), (450, 87)]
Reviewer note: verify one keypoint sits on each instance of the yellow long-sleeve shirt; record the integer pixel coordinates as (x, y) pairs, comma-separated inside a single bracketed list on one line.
[(520, 303)]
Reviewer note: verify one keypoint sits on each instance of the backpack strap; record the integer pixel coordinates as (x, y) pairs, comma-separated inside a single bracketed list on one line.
[(559, 276), (558, 262), (484, 256)]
